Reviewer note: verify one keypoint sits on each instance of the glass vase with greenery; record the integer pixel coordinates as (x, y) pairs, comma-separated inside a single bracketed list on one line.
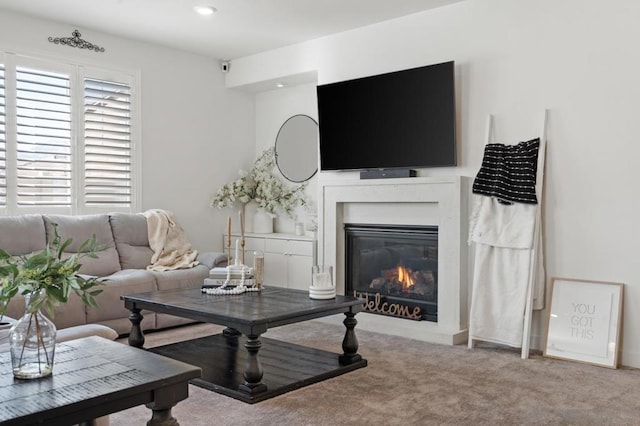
[(45, 279)]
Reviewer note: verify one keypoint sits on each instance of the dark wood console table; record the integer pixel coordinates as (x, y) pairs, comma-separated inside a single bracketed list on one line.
[(266, 367), (93, 377)]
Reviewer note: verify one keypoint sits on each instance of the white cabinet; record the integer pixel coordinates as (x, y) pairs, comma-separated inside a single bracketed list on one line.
[(287, 258)]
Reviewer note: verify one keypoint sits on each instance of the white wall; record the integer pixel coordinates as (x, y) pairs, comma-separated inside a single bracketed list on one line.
[(273, 108), (514, 58), (191, 124)]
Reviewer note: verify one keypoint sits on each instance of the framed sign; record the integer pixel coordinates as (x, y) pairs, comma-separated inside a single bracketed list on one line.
[(585, 321)]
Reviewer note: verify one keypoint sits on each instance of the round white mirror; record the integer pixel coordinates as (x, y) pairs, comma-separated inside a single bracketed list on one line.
[(296, 148)]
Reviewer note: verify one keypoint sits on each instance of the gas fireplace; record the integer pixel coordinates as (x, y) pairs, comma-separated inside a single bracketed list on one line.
[(394, 268)]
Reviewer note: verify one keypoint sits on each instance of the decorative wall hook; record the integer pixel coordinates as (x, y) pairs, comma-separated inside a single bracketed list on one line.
[(76, 41)]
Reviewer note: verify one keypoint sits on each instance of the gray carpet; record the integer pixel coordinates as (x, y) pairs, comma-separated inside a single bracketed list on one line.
[(409, 382)]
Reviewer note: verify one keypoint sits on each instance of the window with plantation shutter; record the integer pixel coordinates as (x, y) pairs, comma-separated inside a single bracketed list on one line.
[(3, 140), (43, 137), (68, 138), (107, 142)]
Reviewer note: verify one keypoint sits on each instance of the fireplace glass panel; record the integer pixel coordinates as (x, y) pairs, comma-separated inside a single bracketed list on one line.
[(396, 265)]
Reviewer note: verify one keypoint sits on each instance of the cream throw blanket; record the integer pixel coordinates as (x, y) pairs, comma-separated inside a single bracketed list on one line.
[(170, 248), (504, 237)]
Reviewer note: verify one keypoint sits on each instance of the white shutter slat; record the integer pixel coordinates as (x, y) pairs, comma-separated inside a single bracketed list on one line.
[(108, 144), (102, 139), (43, 105), (111, 85), (106, 98), (107, 114), (43, 138), (107, 138), (46, 165), (107, 129)]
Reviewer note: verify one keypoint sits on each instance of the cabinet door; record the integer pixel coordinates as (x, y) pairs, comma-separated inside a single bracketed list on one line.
[(251, 245), (299, 271), (275, 269)]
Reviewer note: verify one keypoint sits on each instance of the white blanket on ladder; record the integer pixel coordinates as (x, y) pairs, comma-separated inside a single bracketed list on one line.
[(504, 239)]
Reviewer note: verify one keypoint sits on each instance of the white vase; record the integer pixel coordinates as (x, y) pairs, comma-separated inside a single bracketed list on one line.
[(249, 213), (262, 222)]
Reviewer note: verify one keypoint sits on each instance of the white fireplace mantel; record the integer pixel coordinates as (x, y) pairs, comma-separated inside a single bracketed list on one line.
[(440, 201)]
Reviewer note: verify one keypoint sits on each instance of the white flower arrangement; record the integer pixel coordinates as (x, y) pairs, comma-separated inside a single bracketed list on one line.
[(263, 186)]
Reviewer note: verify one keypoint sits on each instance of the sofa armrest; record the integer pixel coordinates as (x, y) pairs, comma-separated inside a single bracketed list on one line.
[(212, 259), (63, 334), (85, 330)]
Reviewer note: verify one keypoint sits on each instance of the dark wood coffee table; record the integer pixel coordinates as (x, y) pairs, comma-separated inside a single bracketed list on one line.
[(232, 371), (93, 377)]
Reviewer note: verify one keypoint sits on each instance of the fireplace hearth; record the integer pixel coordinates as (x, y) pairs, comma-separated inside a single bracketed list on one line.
[(394, 268)]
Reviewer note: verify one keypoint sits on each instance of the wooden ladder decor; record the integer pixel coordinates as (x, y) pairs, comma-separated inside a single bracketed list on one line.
[(537, 242)]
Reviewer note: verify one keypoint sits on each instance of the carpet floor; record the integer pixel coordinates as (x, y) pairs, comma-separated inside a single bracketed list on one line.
[(409, 382)]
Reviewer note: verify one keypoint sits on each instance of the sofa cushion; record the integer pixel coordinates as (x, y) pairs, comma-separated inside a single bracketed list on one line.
[(70, 313), (181, 278), (127, 281), (212, 259), (178, 279), (132, 240), (81, 228), (23, 234), (122, 326), (65, 315)]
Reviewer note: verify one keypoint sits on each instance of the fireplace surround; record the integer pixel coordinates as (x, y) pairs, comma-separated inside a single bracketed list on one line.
[(420, 201)]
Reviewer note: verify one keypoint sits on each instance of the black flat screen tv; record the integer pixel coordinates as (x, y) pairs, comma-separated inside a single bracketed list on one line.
[(402, 119)]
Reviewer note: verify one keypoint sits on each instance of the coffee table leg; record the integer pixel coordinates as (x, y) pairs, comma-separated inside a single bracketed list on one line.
[(253, 368), (350, 341), (164, 400), (231, 332), (162, 418), (136, 337)]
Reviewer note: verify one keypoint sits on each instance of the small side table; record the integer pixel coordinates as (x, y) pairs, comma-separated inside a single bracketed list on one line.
[(93, 377)]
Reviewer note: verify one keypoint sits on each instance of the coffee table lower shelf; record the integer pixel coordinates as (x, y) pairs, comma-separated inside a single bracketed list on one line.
[(286, 366)]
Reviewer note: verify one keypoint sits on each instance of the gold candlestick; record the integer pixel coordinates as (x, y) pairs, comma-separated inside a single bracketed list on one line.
[(229, 240), (242, 234)]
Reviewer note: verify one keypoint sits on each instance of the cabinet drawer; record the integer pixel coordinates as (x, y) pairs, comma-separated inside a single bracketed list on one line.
[(302, 248), (253, 244), (275, 246), (250, 243)]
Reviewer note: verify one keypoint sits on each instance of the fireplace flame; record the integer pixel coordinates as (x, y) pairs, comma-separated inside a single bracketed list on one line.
[(405, 278)]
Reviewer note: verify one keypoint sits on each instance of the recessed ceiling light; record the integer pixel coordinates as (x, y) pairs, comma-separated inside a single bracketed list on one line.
[(279, 84), (205, 10)]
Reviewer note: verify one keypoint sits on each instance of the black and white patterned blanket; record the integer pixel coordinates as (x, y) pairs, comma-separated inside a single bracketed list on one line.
[(508, 172)]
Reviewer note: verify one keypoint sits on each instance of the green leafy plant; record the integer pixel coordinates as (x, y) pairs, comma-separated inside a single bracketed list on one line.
[(47, 276)]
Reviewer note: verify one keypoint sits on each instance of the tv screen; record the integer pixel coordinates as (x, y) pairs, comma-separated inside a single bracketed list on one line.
[(402, 119)]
